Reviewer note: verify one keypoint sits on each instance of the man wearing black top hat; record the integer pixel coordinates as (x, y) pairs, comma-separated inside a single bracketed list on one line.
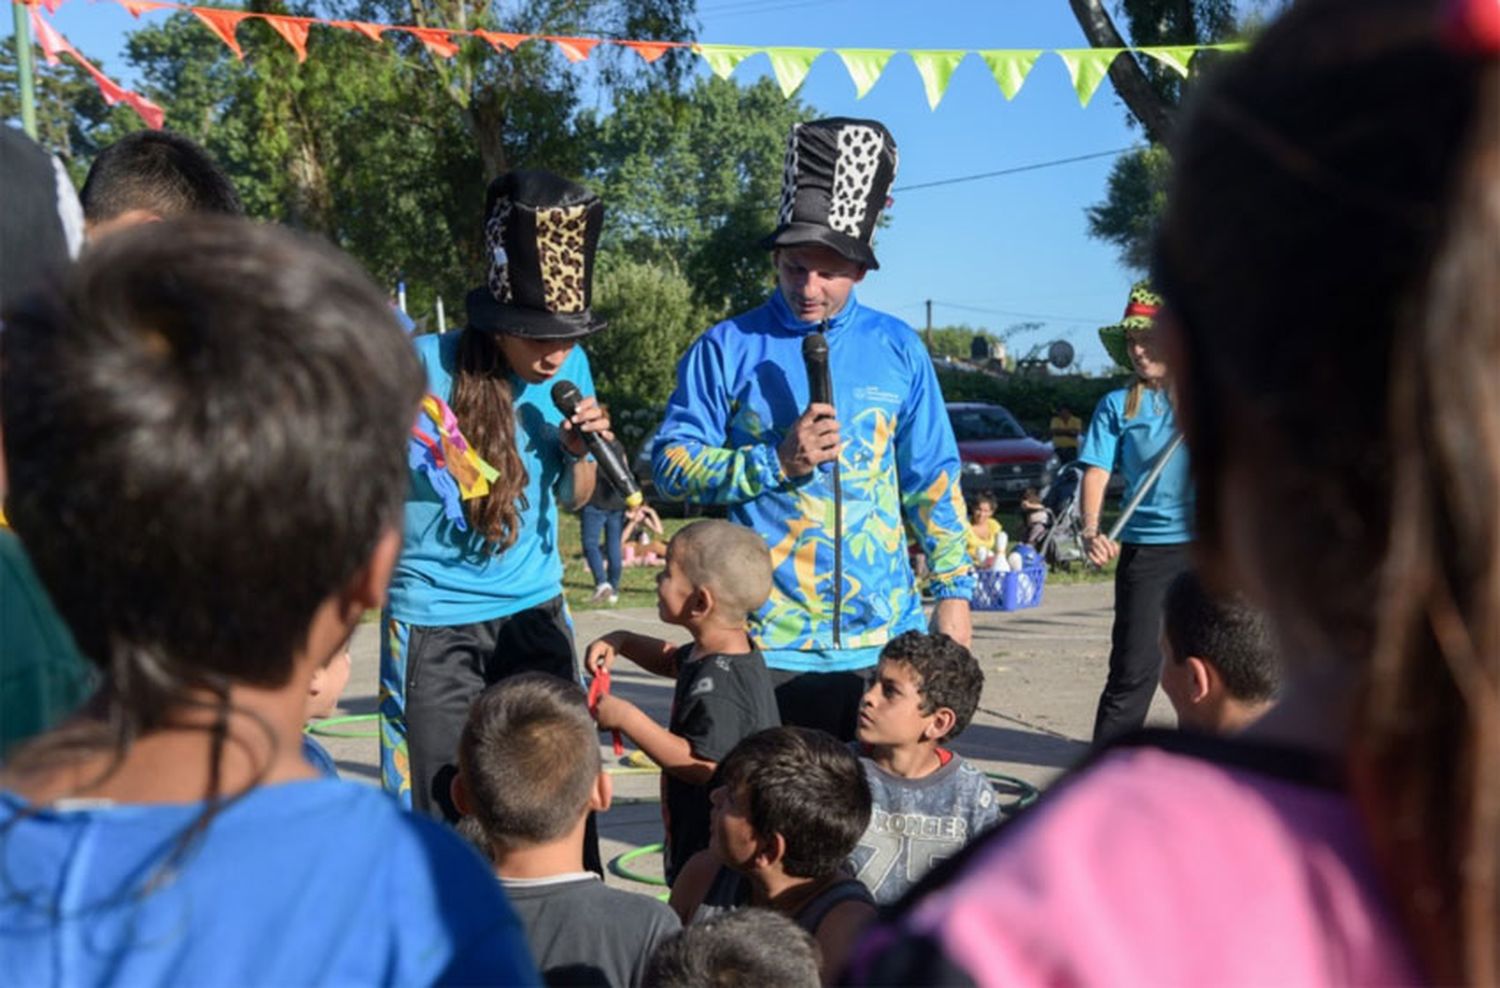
[(832, 487), (477, 594)]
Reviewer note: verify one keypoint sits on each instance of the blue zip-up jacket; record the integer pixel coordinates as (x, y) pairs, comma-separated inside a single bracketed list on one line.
[(739, 389)]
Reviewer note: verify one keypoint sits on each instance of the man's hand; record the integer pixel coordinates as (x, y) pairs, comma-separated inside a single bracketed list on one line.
[(951, 616), (601, 654), (1100, 548), (813, 439), (587, 417)]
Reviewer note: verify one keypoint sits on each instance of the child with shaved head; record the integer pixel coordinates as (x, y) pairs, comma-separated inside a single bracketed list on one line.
[(717, 574)]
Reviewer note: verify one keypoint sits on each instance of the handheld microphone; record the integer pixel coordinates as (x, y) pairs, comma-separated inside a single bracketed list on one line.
[(815, 353), (566, 396)]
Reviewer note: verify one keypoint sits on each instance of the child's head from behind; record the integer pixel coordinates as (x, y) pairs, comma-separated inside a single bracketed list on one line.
[(789, 796), (206, 442), (715, 570), (926, 690), (528, 761), (746, 948), (153, 175), (1220, 669), (1328, 260), (328, 683)]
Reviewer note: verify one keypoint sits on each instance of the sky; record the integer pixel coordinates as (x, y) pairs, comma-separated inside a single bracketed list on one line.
[(990, 252)]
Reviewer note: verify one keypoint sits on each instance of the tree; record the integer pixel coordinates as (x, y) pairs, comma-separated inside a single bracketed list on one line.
[(652, 319), (1152, 94), (692, 181)]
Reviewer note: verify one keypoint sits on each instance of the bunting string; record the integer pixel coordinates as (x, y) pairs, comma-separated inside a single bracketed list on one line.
[(53, 45), (790, 65)]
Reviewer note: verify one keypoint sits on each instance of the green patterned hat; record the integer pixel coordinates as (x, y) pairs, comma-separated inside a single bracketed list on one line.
[(1140, 314)]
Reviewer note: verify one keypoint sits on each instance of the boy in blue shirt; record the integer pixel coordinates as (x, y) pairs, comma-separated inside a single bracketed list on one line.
[(183, 421)]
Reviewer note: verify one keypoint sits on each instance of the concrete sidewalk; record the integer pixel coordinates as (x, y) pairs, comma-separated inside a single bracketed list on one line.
[(1043, 670)]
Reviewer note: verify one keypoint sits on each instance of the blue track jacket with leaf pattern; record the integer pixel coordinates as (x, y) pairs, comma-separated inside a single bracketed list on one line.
[(739, 390)]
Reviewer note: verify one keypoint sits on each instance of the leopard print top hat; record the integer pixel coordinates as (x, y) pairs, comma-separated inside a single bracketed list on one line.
[(837, 179), (540, 235)]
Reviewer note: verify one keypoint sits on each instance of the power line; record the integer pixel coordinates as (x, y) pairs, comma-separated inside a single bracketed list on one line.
[(1018, 169), (1054, 317)]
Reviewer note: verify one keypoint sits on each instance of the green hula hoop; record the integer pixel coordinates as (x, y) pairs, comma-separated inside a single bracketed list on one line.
[(327, 727), (618, 863), (1024, 792)]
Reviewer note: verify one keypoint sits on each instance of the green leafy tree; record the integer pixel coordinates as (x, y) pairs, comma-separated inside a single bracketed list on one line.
[(1152, 94), (652, 320), (691, 180)]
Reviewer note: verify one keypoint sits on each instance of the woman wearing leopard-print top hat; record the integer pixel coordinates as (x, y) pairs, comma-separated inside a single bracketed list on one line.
[(477, 594)]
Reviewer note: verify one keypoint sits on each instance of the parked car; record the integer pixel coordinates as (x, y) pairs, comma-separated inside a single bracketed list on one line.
[(999, 458)]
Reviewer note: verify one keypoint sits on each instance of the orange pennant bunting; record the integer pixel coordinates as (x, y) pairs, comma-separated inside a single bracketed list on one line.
[(437, 40), (574, 49), (139, 7), (649, 50), (499, 39), (222, 22), (294, 30), (47, 37), (371, 31), (52, 5)]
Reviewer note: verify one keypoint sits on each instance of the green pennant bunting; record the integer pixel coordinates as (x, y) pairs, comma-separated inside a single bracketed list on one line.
[(1010, 68), (1175, 58), (723, 59), (936, 68), (865, 66), (790, 65), (1087, 67)]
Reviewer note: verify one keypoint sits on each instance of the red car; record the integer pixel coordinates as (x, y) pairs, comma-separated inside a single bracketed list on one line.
[(999, 458)]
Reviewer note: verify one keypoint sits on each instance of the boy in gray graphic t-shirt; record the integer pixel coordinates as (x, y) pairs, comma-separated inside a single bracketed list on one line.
[(928, 802)]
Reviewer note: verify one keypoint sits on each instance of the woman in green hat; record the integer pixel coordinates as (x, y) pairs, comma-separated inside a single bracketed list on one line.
[(1131, 430)]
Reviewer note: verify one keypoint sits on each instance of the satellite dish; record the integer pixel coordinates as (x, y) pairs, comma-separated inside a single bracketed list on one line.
[(1060, 354)]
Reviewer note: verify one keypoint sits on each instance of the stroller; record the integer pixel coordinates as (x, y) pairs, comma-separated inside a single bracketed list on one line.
[(1054, 529)]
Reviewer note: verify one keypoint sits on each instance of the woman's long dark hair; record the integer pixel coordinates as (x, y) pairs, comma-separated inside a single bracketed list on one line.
[(486, 412), (1332, 253)]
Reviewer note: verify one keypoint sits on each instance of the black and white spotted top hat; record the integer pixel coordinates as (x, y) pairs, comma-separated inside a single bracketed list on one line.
[(837, 180), (540, 235)]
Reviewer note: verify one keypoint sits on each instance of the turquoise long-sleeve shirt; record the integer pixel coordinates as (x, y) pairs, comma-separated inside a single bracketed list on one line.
[(739, 390)]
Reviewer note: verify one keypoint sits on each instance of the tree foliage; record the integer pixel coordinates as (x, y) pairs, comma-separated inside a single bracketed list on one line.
[(692, 181), (73, 121), (652, 320), (1152, 94)]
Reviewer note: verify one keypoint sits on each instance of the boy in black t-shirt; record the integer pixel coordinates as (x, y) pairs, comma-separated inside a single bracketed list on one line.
[(716, 574)]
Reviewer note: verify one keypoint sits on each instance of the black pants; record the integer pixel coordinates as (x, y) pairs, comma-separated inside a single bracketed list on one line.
[(448, 667), (1141, 581), (828, 701)]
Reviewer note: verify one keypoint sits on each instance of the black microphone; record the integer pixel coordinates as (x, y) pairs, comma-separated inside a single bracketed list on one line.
[(566, 396), (815, 353)]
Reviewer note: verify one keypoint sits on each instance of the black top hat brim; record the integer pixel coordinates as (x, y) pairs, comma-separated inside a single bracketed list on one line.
[(518, 320), (801, 234)]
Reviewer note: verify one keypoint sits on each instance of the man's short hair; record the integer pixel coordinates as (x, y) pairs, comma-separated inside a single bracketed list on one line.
[(529, 757), (729, 559), (948, 674), (1224, 631), (160, 172), (746, 948), (205, 433), (806, 786)]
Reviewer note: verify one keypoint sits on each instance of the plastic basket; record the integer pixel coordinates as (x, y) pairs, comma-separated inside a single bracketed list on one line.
[(998, 590)]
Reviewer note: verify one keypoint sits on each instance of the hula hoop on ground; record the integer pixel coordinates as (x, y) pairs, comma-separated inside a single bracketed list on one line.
[(1023, 792), (328, 727), (618, 862)]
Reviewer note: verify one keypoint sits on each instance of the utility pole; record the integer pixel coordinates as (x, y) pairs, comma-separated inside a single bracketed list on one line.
[(930, 350), (25, 76)]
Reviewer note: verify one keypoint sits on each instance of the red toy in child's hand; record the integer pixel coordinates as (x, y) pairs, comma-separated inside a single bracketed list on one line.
[(598, 688)]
